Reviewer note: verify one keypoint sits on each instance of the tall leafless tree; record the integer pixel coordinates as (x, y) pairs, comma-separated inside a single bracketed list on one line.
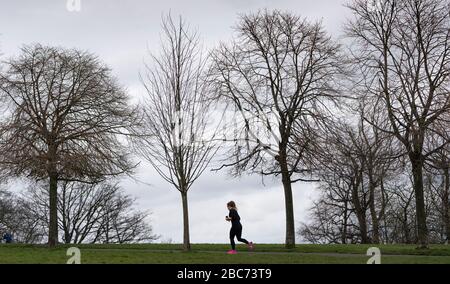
[(279, 74), (402, 49), (380, 156), (63, 117), (357, 162), (438, 170), (175, 137), (347, 162), (342, 174)]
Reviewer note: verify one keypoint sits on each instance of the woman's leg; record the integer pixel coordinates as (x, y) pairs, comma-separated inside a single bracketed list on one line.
[(232, 235), (239, 234)]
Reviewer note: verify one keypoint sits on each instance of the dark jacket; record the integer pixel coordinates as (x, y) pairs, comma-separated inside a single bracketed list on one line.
[(235, 218)]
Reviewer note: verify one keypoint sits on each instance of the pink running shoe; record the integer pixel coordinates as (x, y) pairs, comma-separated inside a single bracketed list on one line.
[(231, 252), (251, 246)]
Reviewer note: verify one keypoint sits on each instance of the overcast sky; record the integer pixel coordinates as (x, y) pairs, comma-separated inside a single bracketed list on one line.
[(120, 32)]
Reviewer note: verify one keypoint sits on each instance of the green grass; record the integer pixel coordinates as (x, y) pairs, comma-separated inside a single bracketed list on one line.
[(215, 254)]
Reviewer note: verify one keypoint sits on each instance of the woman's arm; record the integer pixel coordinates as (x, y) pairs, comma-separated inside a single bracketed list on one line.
[(232, 215)]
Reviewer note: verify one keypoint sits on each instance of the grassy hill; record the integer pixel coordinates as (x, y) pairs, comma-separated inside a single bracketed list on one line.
[(215, 253)]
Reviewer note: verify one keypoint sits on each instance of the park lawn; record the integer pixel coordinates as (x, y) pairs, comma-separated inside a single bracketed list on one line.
[(215, 254)]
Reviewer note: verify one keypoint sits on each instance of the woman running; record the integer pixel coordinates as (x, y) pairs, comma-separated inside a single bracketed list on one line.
[(236, 228)]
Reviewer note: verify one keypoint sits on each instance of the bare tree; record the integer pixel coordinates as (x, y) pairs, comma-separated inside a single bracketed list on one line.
[(332, 217), (357, 162), (438, 178), (381, 158), (330, 223), (279, 74), (175, 138), (81, 208), (400, 213), (63, 117), (99, 213), (17, 220), (342, 175), (122, 223), (403, 53)]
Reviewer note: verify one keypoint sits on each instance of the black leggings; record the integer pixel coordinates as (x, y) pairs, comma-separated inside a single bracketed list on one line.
[(236, 231)]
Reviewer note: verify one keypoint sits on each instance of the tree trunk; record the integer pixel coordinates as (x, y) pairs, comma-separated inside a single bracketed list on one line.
[(288, 200), (422, 231), (405, 226), (345, 224), (360, 213), (186, 241), (446, 203), (362, 227), (53, 206), (64, 220), (374, 215)]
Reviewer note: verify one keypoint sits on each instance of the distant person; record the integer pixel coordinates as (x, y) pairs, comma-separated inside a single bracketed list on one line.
[(8, 238), (236, 228)]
